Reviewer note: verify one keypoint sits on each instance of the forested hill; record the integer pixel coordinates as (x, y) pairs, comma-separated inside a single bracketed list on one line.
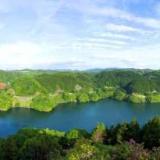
[(43, 90)]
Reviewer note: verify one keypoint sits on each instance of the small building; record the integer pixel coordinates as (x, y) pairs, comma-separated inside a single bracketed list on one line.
[(3, 86)]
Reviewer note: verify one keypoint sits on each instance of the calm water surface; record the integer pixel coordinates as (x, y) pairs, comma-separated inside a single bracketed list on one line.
[(69, 116)]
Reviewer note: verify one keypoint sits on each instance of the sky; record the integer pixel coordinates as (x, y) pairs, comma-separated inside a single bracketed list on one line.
[(79, 34)]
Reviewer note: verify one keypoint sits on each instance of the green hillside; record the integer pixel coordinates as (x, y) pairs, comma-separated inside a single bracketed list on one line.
[(44, 90)]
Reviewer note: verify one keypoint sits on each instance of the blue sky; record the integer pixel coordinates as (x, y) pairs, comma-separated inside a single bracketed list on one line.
[(79, 34)]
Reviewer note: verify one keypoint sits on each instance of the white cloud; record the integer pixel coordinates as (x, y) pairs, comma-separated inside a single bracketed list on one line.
[(148, 22), (21, 54), (52, 42), (139, 57), (122, 28), (95, 45), (105, 41), (91, 8), (115, 36), (33, 55)]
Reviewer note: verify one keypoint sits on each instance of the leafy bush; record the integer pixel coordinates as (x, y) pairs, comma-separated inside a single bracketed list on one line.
[(42, 103), (137, 98), (6, 101)]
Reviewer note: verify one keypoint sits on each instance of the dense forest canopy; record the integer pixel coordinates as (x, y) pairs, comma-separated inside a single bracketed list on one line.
[(25, 88), (125, 141)]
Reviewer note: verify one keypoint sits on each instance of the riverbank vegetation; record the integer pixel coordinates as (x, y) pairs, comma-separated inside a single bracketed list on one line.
[(125, 141), (44, 90)]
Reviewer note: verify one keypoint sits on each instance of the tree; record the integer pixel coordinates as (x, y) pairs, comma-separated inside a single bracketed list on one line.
[(6, 101), (42, 102), (83, 150), (155, 155), (77, 133), (132, 132), (94, 97), (120, 95), (137, 152), (137, 98), (41, 148), (151, 133), (83, 98), (117, 133), (99, 133), (69, 97), (9, 149)]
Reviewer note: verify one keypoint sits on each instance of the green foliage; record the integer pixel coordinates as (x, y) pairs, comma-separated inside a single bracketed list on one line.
[(155, 154), (43, 147), (136, 86), (120, 152), (82, 151), (73, 134), (153, 98), (106, 92), (32, 132), (116, 78), (8, 149), (83, 98), (118, 133), (120, 95), (99, 133), (6, 100), (9, 76), (137, 98), (66, 81), (42, 102), (141, 85), (124, 132), (120, 143), (70, 97), (151, 133), (137, 152), (133, 131), (94, 97), (76, 134), (52, 132), (26, 86)]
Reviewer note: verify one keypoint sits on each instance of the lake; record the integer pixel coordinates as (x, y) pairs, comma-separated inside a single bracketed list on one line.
[(68, 116)]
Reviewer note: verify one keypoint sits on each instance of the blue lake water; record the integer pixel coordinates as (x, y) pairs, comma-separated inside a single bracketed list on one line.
[(68, 116)]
